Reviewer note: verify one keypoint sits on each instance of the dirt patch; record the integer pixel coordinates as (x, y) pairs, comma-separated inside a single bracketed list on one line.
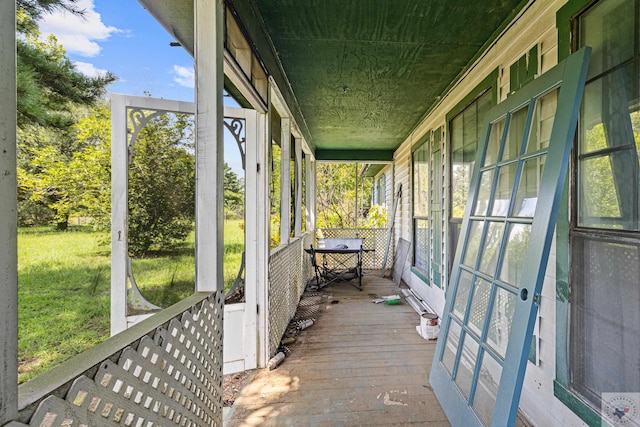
[(311, 306), (232, 385)]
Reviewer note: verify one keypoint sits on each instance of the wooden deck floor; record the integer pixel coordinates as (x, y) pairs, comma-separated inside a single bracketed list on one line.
[(359, 364)]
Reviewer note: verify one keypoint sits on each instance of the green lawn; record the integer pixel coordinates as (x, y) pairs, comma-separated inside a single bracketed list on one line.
[(64, 289)]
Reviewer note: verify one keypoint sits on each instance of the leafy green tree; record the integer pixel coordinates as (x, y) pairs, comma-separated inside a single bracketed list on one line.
[(233, 194), (336, 196), (162, 184), (50, 91), (67, 183)]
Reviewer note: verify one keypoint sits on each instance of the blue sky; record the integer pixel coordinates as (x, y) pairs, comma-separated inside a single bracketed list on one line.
[(122, 37)]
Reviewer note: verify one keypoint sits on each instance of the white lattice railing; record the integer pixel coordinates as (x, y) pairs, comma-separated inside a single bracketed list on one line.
[(374, 238), (166, 370), (289, 270)]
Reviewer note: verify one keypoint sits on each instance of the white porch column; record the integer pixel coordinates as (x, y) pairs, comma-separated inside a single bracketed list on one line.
[(8, 217), (310, 200), (119, 210), (298, 212), (262, 236), (208, 53), (285, 181)]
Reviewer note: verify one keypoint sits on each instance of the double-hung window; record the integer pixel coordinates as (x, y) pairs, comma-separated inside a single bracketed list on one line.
[(604, 346), (421, 208)]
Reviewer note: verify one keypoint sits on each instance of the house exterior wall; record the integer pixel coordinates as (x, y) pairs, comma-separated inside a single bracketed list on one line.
[(536, 26), (386, 174)]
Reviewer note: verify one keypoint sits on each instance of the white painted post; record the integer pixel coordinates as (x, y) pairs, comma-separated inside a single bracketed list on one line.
[(298, 211), (263, 221), (257, 237), (119, 210), (252, 247), (285, 182), (311, 194), (209, 57), (8, 217)]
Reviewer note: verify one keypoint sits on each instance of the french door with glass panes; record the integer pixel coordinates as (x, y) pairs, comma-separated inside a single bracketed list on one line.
[(502, 254)]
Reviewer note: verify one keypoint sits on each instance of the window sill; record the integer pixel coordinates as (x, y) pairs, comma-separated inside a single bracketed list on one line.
[(421, 274), (577, 406)]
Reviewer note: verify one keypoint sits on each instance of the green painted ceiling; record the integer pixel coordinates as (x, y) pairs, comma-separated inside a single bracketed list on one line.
[(364, 72)]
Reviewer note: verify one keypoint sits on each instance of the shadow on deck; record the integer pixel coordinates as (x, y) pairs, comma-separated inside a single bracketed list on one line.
[(359, 364)]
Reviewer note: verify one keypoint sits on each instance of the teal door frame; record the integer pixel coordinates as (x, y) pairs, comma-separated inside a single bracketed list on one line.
[(569, 78)]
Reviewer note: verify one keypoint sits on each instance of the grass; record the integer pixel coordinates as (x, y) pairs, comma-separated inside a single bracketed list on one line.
[(64, 285)]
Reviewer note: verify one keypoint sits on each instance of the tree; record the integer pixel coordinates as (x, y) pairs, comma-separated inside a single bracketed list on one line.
[(74, 182), (50, 91), (162, 184), (336, 196), (48, 85), (233, 193)]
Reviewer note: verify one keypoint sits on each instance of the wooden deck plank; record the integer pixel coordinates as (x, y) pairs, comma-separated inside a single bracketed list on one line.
[(359, 364)]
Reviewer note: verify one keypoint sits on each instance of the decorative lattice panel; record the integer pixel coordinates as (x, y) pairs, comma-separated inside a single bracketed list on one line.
[(172, 377), (289, 270), (374, 238)]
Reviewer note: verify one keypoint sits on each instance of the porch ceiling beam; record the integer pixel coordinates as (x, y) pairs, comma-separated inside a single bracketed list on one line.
[(355, 155), (8, 217)]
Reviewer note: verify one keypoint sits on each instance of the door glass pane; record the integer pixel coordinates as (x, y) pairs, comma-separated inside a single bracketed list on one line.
[(506, 177), (495, 140), (473, 244), (542, 122), (529, 187), (467, 364), (514, 254), (493, 240), (451, 346), (515, 133), (484, 192), (479, 306), (462, 295), (504, 305), (484, 400)]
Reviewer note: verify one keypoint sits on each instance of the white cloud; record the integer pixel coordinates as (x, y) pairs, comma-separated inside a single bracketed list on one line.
[(184, 76), (78, 34), (89, 69)]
